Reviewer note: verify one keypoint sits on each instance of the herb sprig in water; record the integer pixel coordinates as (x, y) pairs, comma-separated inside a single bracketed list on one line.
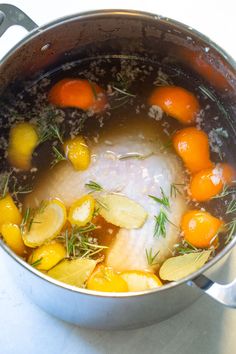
[(80, 243), (151, 257)]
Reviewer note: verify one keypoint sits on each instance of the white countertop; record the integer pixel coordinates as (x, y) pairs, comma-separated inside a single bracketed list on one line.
[(204, 328)]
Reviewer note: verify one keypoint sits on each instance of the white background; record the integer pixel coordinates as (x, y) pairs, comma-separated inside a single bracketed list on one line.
[(204, 328)]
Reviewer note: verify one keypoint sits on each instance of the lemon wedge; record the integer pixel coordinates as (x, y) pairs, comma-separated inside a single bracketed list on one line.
[(138, 280), (23, 140), (77, 151), (81, 212), (45, 224)]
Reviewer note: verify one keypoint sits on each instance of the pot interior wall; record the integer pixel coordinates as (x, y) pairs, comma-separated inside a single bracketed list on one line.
[(122, 33)]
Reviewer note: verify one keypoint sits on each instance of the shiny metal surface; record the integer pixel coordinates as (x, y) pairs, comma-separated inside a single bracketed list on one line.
[(101, 33), (225, 294), (10, 15)]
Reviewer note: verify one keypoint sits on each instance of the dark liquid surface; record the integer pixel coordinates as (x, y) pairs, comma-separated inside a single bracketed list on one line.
[(129, 83)]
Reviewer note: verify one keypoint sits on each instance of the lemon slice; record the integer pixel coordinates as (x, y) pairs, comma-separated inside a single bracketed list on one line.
[(46, 224), (138, 280)]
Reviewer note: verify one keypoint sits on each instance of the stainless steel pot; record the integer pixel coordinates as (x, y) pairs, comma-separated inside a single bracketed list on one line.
[(117, 32)]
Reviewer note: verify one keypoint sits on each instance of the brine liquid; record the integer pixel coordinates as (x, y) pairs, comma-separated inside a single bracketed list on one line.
[(128, 82)]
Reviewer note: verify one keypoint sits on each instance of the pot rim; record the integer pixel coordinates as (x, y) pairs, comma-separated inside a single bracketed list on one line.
[(144, 16)]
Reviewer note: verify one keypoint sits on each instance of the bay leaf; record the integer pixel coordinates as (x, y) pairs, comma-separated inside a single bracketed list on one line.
[(176, 268), (74, 272)]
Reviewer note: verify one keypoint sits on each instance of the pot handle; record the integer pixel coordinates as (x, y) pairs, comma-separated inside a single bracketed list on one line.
[(224, 294), (10, 15)]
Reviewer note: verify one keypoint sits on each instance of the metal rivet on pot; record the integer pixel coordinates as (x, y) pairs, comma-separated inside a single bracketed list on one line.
[(45, 47)]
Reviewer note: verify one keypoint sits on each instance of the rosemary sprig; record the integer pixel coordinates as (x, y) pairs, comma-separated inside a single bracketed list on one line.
[(134, 155), (6, 180), (231, 208), (123, 92), (37, 262), (151, 257), (94, 186), (4, 184), (79, 242), (57, 157), (227, 190), (186, 247), (25, 219), (96, 212), (103, 205), (122, 103), (160, 224), (207, 93), (174, 189), (49, 132), (164, 200), (19, 189), (55, 133), (29, 217), (167, 145), (230, 228)]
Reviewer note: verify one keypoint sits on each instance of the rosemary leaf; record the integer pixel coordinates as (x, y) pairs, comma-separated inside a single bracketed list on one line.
[(231, 230), (174, 189), (25, 219), (80, 243), (57, 157), (93, 186), (123, 92), (37, 262), (4, 184), (231, 208), (55, 133), (167, 145), (164, 200), (227, 190), (160, 224), (151, 257), (134, 155)]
